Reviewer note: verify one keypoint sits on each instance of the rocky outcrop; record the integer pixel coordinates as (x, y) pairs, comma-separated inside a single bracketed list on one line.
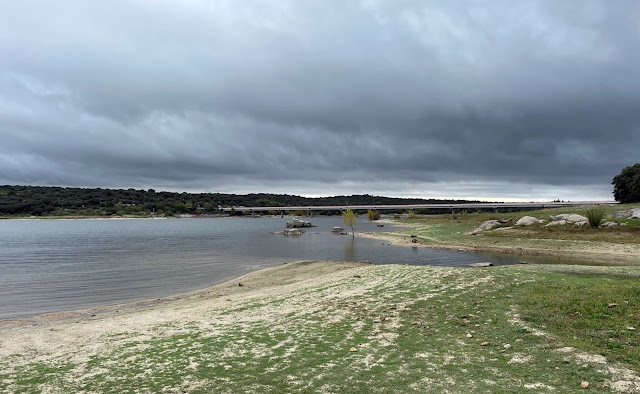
[(528, 221), (622, 214), (569, 217), (298, 223), (490, 225), (635, 213), (560, 222)]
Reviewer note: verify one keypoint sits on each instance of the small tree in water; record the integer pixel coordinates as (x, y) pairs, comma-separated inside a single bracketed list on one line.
[(350, 218)]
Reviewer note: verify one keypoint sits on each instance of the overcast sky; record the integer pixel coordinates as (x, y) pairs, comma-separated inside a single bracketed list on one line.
[(531, 100)]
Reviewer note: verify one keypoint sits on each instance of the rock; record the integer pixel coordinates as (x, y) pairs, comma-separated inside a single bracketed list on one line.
[(414, 240), (469, 335), (631, 328), (506, 346), (580, 224), (609, 224), (504, 228), (486, 226), (528, 221), (353, 349), (413, 236), (379, 225), (623, 224), (573, 218), (622, 214), (569, 217), (584, 385), (484, 343), (337, 230), (635, 213), (480, 265), (563, 216), (612, 305), (299, 223), (240, 284), (560, 222)]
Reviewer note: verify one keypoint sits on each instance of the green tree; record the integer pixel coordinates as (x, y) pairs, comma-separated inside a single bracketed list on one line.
[(373, 215), (350, 218), (626, 185)]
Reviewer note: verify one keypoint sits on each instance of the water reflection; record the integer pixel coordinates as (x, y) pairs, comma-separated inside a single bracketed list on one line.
[(350, 250)]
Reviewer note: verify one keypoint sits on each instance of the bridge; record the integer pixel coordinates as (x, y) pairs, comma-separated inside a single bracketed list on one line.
[(453, 207)]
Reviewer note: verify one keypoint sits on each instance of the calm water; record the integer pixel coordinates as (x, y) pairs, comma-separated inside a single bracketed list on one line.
[(57, 265)]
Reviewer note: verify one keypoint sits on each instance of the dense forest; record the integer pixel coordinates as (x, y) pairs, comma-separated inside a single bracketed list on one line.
[(72, 201)]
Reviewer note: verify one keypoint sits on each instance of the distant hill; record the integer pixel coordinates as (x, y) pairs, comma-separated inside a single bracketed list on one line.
[(61, 201)]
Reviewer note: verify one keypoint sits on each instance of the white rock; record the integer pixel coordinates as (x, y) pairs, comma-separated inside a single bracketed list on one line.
[(609, 224), (528, 221), (560, 222), (580, 224), (574, 217)]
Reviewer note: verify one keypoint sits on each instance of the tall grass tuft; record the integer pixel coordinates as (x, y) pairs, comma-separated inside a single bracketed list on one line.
[(595, 216)]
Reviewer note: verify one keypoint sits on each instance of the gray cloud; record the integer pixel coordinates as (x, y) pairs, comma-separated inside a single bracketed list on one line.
[(493, 99)]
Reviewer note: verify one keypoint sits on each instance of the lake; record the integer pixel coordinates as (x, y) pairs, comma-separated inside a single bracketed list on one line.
[(59, 265)]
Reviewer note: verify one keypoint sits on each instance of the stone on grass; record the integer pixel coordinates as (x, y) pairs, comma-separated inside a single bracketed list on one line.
[(584, 385), (353, 349), (573, 218), (486, 226), (528, 221), (635, 213), (481, 265), (469, 335), (560, 222), (609, 224), (622, 214), (484, 343), (580, 224)]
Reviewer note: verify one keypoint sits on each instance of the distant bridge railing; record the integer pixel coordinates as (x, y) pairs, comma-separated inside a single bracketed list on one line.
[(454, 206)]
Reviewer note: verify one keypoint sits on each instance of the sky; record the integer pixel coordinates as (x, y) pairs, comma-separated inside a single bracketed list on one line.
[(496, 100)]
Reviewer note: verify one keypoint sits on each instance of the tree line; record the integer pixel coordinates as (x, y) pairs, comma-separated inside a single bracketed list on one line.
[(62, 201)]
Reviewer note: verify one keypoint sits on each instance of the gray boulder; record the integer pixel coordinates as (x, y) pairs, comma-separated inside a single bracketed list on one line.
[(528, 221), (622, 214), (609, 224), (561, 222), (635, 213), (574, 218), (298, 223), (580, 224)]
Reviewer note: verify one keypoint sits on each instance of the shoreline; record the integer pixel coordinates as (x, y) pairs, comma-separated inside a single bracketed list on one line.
[(589, 257), (223, 289)]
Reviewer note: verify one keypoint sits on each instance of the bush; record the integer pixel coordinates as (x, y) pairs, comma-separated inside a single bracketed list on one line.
[(626, 185), (595, 216), (372, 215)]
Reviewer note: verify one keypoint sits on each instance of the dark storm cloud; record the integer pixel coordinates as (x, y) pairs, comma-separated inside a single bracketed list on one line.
[(535, 99)]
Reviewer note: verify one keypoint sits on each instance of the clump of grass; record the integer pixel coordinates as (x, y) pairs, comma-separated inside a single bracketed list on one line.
[(594, 216)]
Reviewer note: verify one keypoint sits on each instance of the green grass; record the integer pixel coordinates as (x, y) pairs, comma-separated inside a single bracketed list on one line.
[(579, 309), (580, 243), (409, 325)]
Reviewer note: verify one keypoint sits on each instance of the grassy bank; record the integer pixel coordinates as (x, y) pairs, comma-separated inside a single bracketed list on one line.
[(618, 245), (340, 327)]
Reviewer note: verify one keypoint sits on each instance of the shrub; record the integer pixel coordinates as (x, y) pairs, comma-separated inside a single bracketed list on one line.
[(372, 215), (595, 216)]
